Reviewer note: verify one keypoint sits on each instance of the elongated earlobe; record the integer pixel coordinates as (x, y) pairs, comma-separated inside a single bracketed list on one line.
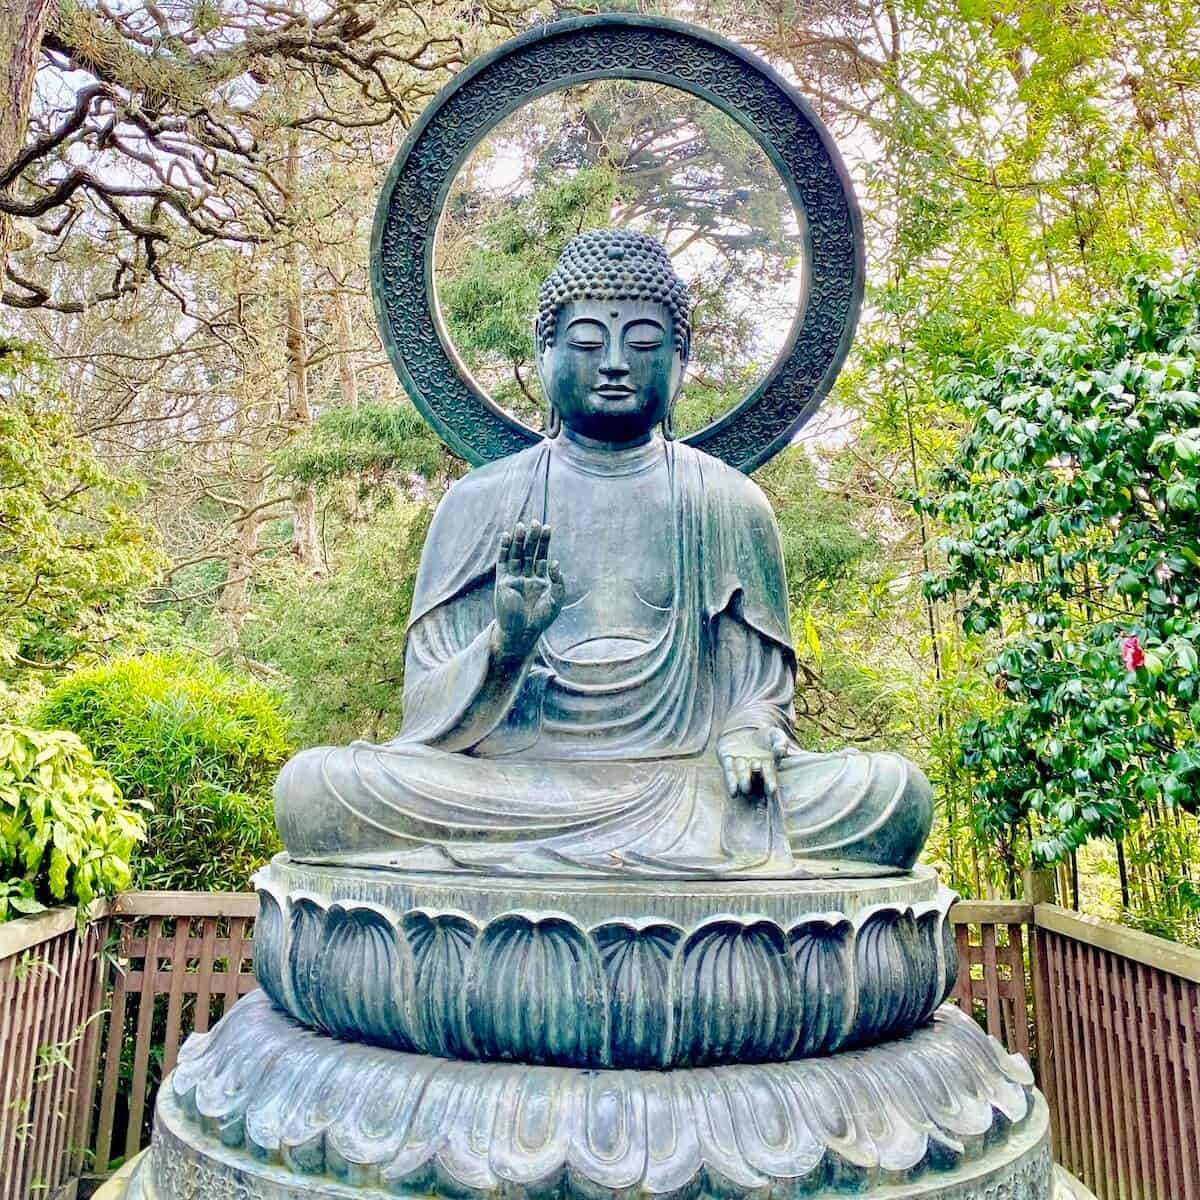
[(668, 425), (553, 422)]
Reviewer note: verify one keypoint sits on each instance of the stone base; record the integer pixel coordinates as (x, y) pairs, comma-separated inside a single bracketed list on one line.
[(603, 973), (121, 1187), (264, 1109), (179, 1169)]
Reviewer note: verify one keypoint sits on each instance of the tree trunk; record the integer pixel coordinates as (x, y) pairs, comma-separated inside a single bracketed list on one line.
[(235, 595), (306, 540), (22, 23), (344, 331)]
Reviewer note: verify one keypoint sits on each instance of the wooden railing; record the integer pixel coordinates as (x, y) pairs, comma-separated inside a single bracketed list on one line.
[(1119, 1028), (1109, 1017), (993, 969), (182, 959), (51, 992)]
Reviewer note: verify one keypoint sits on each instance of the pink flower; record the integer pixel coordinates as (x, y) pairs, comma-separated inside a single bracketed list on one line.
[(1132, 654)]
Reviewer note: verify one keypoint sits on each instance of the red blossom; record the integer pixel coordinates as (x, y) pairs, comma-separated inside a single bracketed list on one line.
[(1132, 654)]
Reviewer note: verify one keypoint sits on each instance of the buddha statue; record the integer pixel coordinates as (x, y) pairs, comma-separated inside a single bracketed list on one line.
[(599, 669)]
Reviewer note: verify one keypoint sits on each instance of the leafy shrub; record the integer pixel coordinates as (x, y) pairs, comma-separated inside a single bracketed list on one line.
[(199, 744), (1073, 515), (65, 831)]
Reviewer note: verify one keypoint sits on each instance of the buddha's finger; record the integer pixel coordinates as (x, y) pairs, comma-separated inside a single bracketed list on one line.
[(542, 551), (770, 778), (731, 782), (505, 547), (532, 540), (532, 537), (743, 775), (516, 549), (779, 742)]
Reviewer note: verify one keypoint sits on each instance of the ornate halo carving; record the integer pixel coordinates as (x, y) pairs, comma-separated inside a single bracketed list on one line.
[(618, 46)]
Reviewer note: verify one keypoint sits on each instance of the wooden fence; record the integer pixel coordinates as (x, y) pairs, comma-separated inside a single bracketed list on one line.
[(51, 990), (1119, 1028), (993, 969), (1109, 1017), (184, 957)]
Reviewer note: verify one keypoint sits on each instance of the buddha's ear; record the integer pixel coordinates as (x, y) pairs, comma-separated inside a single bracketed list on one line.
[(539, 361), (685, 351)]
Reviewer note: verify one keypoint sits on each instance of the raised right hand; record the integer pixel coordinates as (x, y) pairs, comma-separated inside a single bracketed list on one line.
[(529, 589)]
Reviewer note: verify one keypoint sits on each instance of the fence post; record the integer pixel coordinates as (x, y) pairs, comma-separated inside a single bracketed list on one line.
[(1039, 888)]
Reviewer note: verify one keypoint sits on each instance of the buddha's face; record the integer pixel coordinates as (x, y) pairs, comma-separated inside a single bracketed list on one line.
[(613, 370)]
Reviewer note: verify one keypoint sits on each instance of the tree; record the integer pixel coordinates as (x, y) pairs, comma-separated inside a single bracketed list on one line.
[(76, 558), (22, 23), (339, 641), (1073, 521), (158, 130)]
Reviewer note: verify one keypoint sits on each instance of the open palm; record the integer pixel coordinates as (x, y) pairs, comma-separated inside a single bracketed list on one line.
[(529, 588)]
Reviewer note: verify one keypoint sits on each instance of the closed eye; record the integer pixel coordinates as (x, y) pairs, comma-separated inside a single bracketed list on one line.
[(644, 335), (584, 334)]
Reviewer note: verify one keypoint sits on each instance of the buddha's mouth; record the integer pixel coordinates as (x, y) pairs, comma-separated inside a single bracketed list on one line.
[(614, 392)]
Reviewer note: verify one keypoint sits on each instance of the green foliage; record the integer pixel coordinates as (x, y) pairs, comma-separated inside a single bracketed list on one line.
[(373, 445), (199, 744), (1073, 537), (339, 641), (488, 301), (75, 557), (65, 832)]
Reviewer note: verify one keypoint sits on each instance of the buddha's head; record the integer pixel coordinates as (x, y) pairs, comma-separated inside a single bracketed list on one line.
[(612, 337)]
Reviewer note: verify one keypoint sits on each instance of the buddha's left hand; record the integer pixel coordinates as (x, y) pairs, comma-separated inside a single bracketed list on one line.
[(749, 758)]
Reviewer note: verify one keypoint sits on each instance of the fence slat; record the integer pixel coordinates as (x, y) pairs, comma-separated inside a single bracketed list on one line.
[(179, 961), (991, 982), (112, 1058), (48, 1126), (1065, 1003), (1019, 990), (1139, 1105), (1103, 1050), (85, 1084), (237, 932), (204, 975), (1127, 1134), (1172, 1053), (1153, 1081), (1190, 996), (141, 1052)]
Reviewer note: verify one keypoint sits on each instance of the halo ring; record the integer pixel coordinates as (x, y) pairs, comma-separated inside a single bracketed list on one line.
[(618, 46)]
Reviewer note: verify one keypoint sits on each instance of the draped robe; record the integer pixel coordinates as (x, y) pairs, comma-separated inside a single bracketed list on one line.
[(600, 754)]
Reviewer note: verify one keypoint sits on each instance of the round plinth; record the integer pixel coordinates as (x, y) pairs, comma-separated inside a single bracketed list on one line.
[(264, 1105), (593, 901), (603, 973), (123, 1186)]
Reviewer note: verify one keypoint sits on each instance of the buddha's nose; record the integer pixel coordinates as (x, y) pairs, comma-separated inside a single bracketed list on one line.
[(614, 360)]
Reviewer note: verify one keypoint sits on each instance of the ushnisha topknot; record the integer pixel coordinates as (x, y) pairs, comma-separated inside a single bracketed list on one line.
[(613, 264)]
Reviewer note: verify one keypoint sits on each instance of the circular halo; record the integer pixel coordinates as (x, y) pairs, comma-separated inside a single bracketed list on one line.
[(618, 46)]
